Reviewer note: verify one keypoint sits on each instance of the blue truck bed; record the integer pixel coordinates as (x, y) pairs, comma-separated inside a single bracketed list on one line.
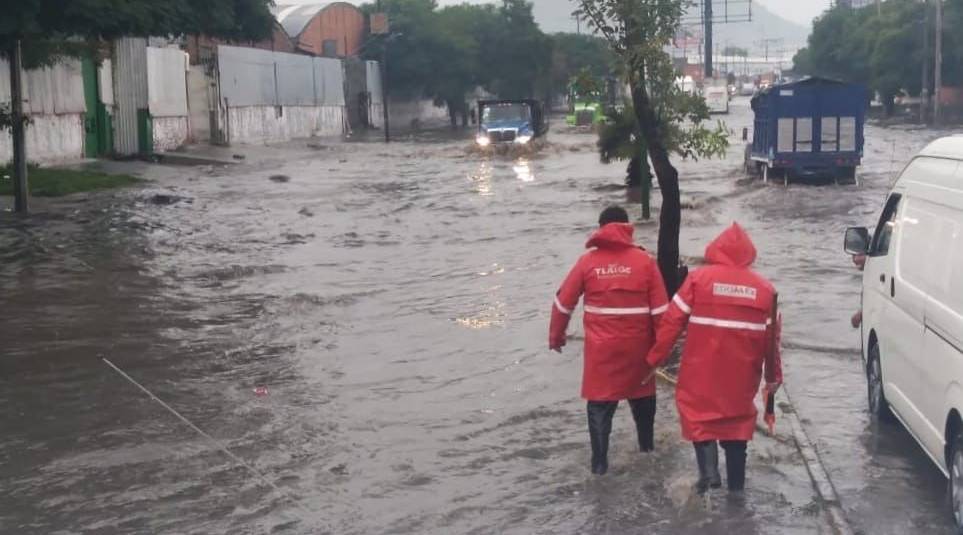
[(813, 127)]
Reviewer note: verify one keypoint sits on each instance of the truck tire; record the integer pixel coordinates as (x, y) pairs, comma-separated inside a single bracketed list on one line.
[(878, 406), (955, 483)]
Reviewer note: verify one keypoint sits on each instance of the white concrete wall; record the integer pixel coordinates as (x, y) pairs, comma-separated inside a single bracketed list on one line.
[(54, 100), (170, 132), (261, 124), (50, 139), (404, 114)]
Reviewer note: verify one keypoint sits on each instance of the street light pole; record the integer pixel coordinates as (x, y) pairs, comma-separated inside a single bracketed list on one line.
[(20, 191), (938, 69), (708, 38), (925, 91), (384, 90)]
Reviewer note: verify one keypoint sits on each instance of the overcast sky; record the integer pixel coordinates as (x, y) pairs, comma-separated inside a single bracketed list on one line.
[(802, 11)]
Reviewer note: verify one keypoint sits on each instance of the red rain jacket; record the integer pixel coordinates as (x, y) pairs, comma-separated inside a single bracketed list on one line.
[(624, 297), (728, 309)]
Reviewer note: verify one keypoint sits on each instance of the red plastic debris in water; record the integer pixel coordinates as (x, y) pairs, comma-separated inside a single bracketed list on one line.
[(261, 391)]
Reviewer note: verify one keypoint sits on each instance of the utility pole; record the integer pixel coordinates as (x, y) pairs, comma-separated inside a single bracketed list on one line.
[(384, 90), (707, 15), (20, 191), (938, 69), (386, 33), (925, 91)]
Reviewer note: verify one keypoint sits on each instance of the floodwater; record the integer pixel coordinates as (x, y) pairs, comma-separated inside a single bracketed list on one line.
[(390, 305)]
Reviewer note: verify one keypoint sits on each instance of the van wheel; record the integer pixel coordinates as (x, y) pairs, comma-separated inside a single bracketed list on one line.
[(956, 481), (878, 406)]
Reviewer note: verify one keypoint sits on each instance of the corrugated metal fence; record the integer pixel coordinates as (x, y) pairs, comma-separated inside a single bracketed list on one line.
[(253, 77), (56, 90)]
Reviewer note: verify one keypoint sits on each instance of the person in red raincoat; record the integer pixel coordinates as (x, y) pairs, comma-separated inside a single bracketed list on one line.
[(624, 298), (728, 309)]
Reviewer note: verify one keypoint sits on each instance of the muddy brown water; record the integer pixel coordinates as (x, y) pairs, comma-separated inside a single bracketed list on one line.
[(394, 302)]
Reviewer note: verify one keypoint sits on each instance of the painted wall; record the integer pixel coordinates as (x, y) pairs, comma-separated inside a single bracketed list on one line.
[(167, 97), (263, 124), (272, 96), (50, 139), (54, 99), (410, 114)]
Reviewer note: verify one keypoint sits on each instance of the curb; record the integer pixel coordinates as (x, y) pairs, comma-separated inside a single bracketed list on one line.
[(817, 472)]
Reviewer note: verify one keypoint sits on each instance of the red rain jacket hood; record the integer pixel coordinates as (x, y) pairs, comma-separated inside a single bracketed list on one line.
[(727, 310), (732, 248), (612, 236), (623, 300)]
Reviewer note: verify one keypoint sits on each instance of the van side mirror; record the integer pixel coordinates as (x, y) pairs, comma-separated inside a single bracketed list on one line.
[(857, 241)]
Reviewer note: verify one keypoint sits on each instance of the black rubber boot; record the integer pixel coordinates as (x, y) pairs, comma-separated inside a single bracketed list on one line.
[(707, 457), (600, 415), (643, 411), (735, 465)]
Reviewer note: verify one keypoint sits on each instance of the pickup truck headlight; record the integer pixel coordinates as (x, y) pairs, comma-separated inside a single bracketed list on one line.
[(483, 140), (523, 140)]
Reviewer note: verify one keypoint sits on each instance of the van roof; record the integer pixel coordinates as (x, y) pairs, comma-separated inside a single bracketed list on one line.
[(947, 147)]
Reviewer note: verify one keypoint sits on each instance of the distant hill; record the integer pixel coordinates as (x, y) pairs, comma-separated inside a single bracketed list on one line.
[(556, 16)]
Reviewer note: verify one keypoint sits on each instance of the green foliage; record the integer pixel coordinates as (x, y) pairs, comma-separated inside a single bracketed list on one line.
[(584, 84), (884, 48), (445, 53), (638, 32), (579, 55), (48, 182)]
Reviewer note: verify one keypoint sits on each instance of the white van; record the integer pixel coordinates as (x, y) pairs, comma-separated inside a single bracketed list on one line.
[(716, 94), (913, 307)]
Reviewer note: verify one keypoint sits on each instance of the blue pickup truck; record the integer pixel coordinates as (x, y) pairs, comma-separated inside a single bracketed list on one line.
[(515, 122), (809, 129)]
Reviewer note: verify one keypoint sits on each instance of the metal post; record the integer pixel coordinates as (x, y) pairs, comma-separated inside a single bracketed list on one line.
[(925, 91), (20, 191), (384, 90), (938, 69), (708, 37)]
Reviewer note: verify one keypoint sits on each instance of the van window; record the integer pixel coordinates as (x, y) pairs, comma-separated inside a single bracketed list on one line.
[(886, 226)]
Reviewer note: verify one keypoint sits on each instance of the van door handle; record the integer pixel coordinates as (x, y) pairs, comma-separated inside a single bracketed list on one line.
[(892, 287), (882, 278)]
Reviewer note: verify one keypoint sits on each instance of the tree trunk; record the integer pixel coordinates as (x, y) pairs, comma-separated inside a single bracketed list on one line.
[(633, 174), (670, 219), (889, 105), (647, 196), (452, 115)]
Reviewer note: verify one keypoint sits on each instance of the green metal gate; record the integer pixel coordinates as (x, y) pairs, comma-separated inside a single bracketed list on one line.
[(98, 128)]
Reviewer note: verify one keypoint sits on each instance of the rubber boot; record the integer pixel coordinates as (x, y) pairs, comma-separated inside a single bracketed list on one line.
[(735, 465), (600, 415), (707, 457), (643, 412)]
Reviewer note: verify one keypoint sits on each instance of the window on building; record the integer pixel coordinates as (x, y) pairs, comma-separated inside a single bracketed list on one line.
[(329, 48)]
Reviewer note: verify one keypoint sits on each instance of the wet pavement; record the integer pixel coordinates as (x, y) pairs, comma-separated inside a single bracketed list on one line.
[(393, 302)]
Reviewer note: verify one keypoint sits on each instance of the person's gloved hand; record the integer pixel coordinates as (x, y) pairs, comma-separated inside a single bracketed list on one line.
[(556, 342)]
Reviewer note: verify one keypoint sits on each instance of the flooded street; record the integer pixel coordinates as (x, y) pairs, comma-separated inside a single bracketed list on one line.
[(393, 302)]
